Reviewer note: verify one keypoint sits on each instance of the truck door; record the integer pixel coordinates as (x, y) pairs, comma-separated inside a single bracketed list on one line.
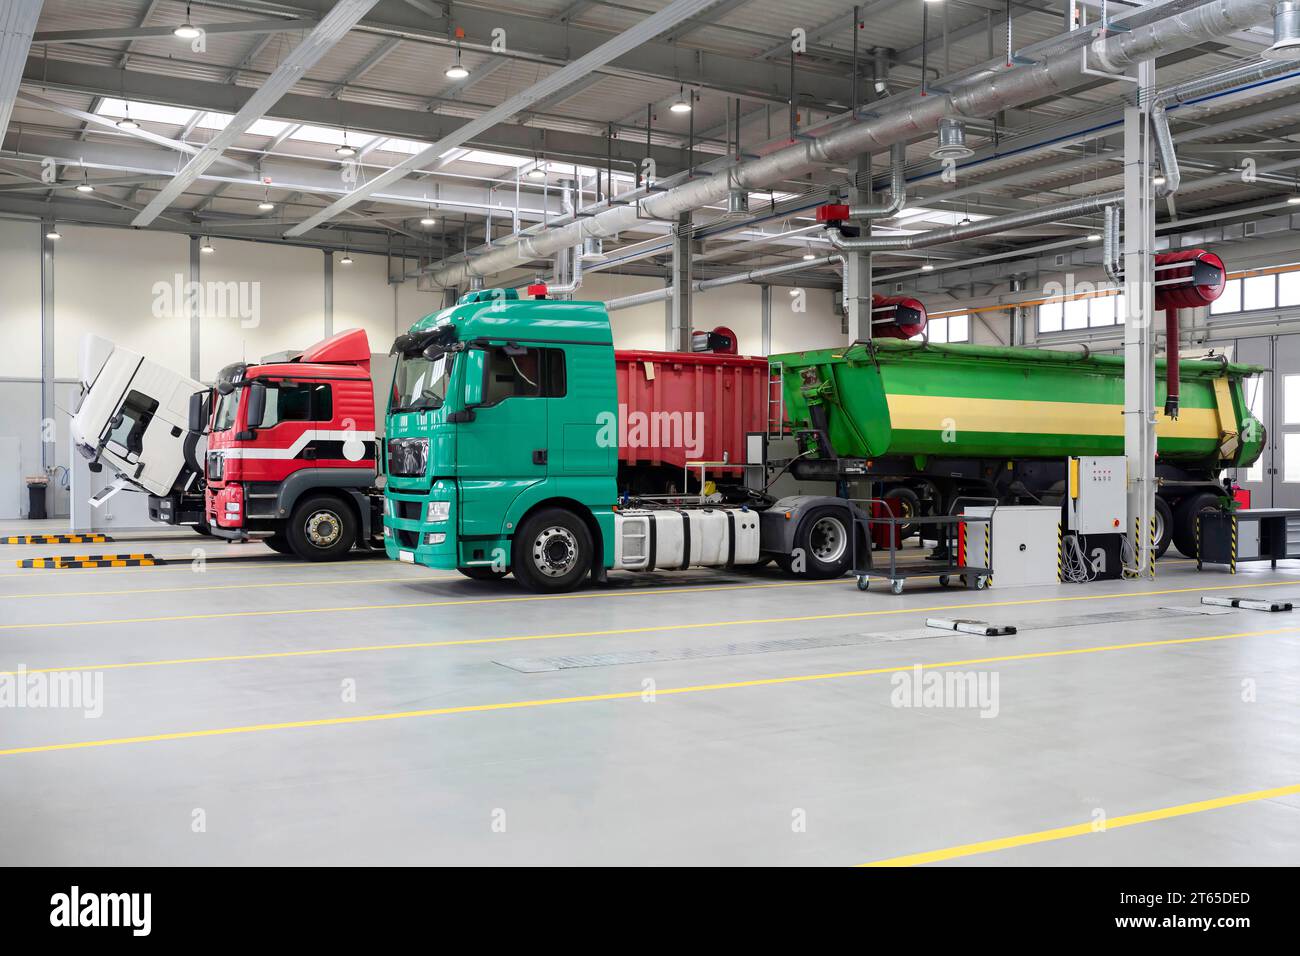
[(505, 448)]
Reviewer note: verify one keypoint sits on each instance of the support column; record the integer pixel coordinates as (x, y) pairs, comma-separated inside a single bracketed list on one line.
[(49, 457), (857, 265), (1139, 297), (193, 305), (679, 326), (329, 292), (765, 299)]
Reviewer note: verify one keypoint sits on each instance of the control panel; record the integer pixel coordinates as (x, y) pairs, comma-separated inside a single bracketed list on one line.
[(1097, 500)]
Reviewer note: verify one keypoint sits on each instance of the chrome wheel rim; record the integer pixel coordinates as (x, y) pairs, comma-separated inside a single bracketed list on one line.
[(555, 551), (323, 528), (827, 540)]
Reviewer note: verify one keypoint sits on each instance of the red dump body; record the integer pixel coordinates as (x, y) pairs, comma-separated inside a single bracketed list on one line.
[(676, 407)]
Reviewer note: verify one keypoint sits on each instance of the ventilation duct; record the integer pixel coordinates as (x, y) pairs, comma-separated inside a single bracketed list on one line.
[(952, 141), (1286, 32)]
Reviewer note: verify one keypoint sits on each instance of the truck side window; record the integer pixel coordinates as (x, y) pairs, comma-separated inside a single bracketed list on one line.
[(136, 414), (537, 373), (308, 402)]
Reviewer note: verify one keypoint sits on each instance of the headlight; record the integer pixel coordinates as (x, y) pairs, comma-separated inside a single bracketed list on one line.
[(439, 511), (388, 507), (232, 506)]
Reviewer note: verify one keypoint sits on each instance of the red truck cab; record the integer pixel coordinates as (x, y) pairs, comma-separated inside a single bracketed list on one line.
[(292, 451)]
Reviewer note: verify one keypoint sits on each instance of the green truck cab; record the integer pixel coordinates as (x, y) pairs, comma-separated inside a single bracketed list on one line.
[(494, 435)]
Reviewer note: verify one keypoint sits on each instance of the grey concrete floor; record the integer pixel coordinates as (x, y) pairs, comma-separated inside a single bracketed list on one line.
[(672, 736)]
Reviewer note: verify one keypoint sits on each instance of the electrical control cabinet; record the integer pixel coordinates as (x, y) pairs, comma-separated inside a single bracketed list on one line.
[(1097, 499), (1023, 545)]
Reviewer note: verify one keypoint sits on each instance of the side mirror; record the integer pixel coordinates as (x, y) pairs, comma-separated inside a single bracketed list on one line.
[(256, 404), (199, 406), (475, 363)]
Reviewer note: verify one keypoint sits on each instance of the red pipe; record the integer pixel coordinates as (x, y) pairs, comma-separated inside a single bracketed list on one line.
[(1171, 363)]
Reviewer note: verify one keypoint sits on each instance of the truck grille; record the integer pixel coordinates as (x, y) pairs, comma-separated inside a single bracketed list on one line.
[(408, 457)]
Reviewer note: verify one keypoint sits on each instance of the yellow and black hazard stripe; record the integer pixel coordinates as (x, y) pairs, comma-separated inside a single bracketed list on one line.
[(56, 539), (1060, 553), (1232, 567), (1155, 544), (93, 561)]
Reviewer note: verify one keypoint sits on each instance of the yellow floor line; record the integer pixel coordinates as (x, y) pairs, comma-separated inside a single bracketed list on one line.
[(1084, 829), (626, 695), (201, 587), (590, 595)]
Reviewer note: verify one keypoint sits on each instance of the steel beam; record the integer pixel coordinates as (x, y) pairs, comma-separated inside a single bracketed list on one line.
[(17, 23), (611, 50), (331, 29), (145, 33)]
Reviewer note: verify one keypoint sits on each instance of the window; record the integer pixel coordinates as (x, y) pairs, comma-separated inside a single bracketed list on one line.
[(1101, 310), (527, 373), (1291, 399), (1288, 289), (1076, 313), (308, 402), (1291, 456), (1230, 301), (1259, 292), (127, 428), (949, 328), (1049, 317)]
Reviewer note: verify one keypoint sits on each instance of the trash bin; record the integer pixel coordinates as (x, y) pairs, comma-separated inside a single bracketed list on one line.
[(36, 486)]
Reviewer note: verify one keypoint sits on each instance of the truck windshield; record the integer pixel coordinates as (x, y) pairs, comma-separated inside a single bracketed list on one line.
[(225, 417), (420, 382)]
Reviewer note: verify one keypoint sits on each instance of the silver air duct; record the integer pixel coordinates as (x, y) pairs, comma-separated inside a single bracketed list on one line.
[(1286, 32), (981, 93), (897, 189), (952, 141)]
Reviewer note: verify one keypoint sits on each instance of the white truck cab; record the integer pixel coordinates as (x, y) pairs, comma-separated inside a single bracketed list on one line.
[(133, 416)]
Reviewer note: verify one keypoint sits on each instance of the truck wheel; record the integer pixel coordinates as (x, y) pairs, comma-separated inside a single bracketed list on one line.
[(321, 528), (905, 503), (552, 551), (278, 543), (823, 538), (202, 529), (1164, 516), (481, 573), (1185, 519)]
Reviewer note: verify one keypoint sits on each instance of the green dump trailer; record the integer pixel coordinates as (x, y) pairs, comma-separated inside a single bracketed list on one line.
[(931, 423)]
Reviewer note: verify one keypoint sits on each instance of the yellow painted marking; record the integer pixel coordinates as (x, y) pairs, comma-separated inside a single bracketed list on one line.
[(201, 587), (622, 695), (1085, 829), (928, 412), (589, 595)]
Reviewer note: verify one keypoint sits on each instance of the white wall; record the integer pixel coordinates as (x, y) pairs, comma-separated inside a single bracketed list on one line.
[(20, 299)]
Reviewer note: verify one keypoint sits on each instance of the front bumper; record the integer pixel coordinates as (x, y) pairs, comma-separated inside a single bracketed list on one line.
[(219, 515), (407, 530)]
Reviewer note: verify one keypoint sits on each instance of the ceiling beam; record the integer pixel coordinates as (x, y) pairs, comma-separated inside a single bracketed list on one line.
[(17, 23), (146, 33), (629, 39), (319, 111), (333, 28), (377, 56)]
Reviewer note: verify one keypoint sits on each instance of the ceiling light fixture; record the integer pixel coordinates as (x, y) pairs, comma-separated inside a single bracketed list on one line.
[(1158, 179), (1293, 200), (84, 186), (187, 30), (126, 122), (266, 205), (683, 103), (928, 267), (206, 248), (428, 219), (1094, 237), (53, 233), (537, 172), (457, 70), (344, 149), (347, 259)]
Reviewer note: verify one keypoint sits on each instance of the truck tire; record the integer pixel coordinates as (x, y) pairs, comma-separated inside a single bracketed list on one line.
[(481, 573), (1185, 519), (202, 529), (905, 503), (823, 540), (552, 551), (321, 528), (278, 543), (1164, 526)]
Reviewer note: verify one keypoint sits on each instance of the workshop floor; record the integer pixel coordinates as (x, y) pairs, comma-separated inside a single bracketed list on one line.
[(256, 709)]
